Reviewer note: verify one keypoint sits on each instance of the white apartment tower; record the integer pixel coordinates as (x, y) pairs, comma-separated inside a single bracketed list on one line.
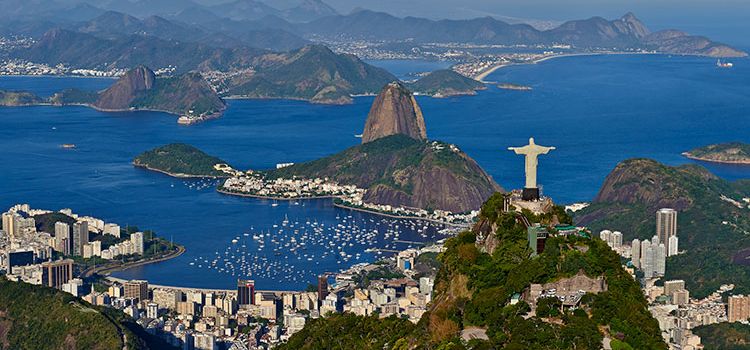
[(673, 245)]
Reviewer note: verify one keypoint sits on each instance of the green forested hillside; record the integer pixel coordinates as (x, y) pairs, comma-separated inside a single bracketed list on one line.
[(399, 170), (724, 336), (474, 286), (712, 221), (445, 82), (40, 318), (180, 159)]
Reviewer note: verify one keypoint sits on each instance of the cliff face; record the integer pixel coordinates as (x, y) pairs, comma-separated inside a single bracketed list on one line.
[(127, 89), (139, 88), (395, 111), (433, 186)]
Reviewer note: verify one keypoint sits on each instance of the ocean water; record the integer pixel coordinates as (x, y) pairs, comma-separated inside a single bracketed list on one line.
[(597, 111)]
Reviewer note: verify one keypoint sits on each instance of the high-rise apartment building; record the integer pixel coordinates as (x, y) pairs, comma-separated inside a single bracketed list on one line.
[(57, 273), (62, 238), (635, 253), (647, 258), (137, 240), (80, 237), (616, 239), (245, 292), (673, 245), (666, 225), (738, 308), (660, 262), (135, 289)]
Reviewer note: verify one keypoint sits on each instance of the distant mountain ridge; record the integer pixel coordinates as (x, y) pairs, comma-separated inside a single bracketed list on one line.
[(313, 73), (622, 33)]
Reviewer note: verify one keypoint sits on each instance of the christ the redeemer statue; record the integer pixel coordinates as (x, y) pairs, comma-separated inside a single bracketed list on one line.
[(531, 151)]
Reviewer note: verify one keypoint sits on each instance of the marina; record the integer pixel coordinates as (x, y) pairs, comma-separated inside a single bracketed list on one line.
[(98, 177)]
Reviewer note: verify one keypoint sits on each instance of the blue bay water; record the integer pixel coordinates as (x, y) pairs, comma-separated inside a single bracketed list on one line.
[(597, 111)]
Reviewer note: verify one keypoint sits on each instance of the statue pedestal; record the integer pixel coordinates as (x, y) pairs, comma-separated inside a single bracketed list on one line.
[(530, 194)]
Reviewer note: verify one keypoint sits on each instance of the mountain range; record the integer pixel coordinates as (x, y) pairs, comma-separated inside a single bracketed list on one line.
[(623, 33), (257, 24), (313, 73)]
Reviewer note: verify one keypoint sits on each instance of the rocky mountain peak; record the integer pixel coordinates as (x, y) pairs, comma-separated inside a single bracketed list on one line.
[(394, 111), (634, 25), (126, 89)]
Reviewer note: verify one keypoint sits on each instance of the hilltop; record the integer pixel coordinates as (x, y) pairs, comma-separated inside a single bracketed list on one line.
[(35, 317), (313, 73), (180, 160), (398, 166), (394, 111), (713, 219), (401, 171), (19, 98), (445, 83), (731, 153), (475, 285)]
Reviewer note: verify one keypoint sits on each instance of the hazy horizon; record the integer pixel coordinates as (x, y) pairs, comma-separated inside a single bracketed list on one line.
[(721, 20)]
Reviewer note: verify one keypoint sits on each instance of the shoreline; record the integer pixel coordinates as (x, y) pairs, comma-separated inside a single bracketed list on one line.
[(374, 212), (56, 76), (480, 77), (107, 269), (177, 175), (248, 195), (708, 160), (341, 206)]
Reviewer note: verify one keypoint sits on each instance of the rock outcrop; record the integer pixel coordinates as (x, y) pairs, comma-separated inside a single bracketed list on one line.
[(395, 111), (140, 89), (127, 89)]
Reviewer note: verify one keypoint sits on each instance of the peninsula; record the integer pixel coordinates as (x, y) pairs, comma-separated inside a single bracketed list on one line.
[(187, 95), (396, 170), (729, 153), (181, 160)]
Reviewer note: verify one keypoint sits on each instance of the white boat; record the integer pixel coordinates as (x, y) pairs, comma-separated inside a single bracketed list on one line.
[(721, 64)]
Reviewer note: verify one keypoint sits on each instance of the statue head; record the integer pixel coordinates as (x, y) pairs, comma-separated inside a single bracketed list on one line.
[(531, 141)]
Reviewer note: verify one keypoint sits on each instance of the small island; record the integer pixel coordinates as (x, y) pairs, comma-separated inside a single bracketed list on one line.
[(728, 153), (183, 161), (445, 83), (510, 86)]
